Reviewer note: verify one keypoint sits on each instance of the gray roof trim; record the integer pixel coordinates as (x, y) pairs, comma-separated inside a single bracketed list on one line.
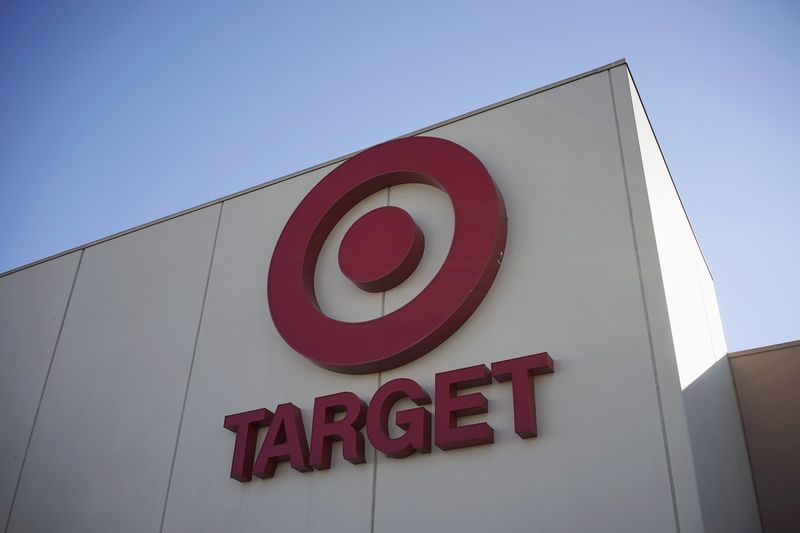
[(764, 349)]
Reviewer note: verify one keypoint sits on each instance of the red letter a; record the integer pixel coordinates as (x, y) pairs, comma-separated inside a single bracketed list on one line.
[(285, 440)]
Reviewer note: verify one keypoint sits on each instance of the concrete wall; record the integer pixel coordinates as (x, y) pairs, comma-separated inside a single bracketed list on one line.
[(768, 385), (168, 331), (32, 306), (724, 478), (687, 340), (101, 450)]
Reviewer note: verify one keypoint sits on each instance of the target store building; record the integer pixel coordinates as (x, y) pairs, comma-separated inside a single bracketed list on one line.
[(496, 323)]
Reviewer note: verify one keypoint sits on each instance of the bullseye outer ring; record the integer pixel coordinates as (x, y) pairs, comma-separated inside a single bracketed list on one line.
[(435, 313)]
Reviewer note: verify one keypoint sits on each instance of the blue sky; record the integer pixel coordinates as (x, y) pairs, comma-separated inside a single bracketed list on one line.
[(113, 114)]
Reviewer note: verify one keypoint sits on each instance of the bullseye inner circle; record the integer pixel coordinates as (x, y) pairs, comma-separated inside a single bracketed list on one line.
[(381, 249)]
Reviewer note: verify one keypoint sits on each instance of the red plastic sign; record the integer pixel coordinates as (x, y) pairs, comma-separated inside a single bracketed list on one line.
[(286, 436), (440, 309)]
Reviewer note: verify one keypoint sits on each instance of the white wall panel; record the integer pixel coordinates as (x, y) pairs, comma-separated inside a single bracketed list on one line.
[(641, 172), (100, 455), (242, 363), (32, 306), (724, 478), (568, 285), (694, 316), (682, 286)]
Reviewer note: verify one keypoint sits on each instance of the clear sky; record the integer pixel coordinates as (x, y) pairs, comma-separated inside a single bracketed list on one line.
[(116, 113)]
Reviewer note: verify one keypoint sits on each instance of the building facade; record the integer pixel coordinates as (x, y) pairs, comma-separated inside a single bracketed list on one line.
[(122, 359)]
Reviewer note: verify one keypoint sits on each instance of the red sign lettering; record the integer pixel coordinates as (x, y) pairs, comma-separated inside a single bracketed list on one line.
[(342, 416)]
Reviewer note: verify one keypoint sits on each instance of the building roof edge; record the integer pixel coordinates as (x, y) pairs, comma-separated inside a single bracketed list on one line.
[(189, 210)]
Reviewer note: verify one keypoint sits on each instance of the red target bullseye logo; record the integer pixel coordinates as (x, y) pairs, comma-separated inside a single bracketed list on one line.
[(381, 250)]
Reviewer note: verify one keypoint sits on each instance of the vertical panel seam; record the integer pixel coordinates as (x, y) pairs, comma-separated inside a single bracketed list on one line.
[(41, 396), (374, 478), (375, 450), (644, 306), (732, 374), (191, 368)]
